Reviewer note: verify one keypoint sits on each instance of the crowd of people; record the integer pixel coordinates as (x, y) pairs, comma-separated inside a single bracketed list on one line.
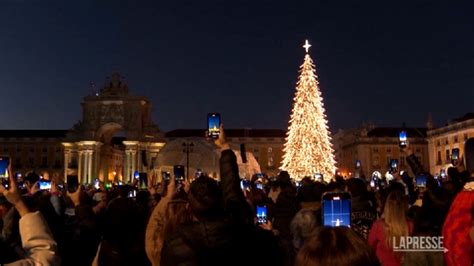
[(209, 222)]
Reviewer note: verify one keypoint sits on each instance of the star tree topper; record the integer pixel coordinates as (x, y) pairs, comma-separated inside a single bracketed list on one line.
[(306, 46)]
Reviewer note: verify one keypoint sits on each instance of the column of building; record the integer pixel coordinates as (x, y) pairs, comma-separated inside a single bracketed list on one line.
[(85, 169), (89, 166), (126, 166), (139, 166), (152, 150), (96, 159), (80, 166), (131, 150), (67, 155), (88, 161), (133, 164)]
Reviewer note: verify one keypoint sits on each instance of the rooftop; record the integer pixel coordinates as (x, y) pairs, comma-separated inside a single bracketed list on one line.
[(231, 133), (393, 132), (33, 133), (465, 117)]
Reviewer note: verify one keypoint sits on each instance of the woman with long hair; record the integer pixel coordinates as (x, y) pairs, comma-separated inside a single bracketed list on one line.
[(386, 232)]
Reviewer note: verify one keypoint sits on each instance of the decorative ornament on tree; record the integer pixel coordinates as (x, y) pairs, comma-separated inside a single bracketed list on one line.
[(308, 149)]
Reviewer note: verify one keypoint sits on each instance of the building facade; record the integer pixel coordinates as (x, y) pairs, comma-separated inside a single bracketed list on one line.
[(442, 140), (90, 147), (34, 150), (116, 138), (375, 147), (45, 151), (266, 145)]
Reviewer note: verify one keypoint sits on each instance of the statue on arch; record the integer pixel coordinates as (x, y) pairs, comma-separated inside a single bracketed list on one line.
[(115, 86)]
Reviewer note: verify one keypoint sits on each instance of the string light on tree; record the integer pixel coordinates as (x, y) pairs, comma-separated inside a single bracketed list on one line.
[(308, 149)]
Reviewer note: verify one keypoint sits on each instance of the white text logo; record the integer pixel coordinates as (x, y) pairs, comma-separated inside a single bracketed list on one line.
[(419, 244)]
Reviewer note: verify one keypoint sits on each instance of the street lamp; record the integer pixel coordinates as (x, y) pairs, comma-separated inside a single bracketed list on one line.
[(187, 148)]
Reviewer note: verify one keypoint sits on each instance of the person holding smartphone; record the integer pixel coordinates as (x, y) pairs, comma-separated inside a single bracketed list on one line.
[(37, 240), (412, 160), (223, 222)]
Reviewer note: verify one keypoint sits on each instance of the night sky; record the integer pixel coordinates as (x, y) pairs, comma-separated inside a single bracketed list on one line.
[(379, 62)]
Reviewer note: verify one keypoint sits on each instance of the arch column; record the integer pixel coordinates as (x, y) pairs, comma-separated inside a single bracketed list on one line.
[(67, 154), (89, 166), (80, 166), (153, 148), (126, 166), (134, 164), (86, 167), (68, 149), (131, 151), (96, 160), (139, 166)]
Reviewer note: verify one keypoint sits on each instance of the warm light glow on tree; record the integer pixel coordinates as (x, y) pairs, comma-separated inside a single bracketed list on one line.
[(308, 149)]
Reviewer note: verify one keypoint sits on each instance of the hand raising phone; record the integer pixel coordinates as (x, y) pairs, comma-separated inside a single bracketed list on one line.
[(220, 141), (12, 194)]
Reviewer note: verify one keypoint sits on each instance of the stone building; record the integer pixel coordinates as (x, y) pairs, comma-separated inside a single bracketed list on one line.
[(266, 145), (374, 147), (34, 150), (111, 113), (115, 138), (442, 140)]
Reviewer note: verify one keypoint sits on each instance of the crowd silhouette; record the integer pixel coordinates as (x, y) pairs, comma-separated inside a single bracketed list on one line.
[(209, 222)]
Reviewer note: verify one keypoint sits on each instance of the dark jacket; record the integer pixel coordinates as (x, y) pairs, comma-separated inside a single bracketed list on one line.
[(285, 209), (81, 234), (234, 200), (219, 243), (363, 214), (229, 240)]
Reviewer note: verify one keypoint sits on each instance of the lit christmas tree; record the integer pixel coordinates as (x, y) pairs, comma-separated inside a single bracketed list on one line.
[(308, 149)]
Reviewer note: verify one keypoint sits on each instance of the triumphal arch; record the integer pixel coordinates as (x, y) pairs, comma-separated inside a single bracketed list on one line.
[(116, 137)]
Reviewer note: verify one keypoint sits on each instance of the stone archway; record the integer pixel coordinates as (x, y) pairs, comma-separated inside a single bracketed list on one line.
[(106, 132), (110, 157), (105, 113)]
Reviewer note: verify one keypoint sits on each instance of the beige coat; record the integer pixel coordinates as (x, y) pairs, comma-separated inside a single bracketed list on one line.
[(37, 241), (153, 241)]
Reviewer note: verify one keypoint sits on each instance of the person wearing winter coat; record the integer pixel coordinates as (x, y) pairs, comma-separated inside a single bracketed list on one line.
[(36, 238), (222, 231), (167, 217)]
